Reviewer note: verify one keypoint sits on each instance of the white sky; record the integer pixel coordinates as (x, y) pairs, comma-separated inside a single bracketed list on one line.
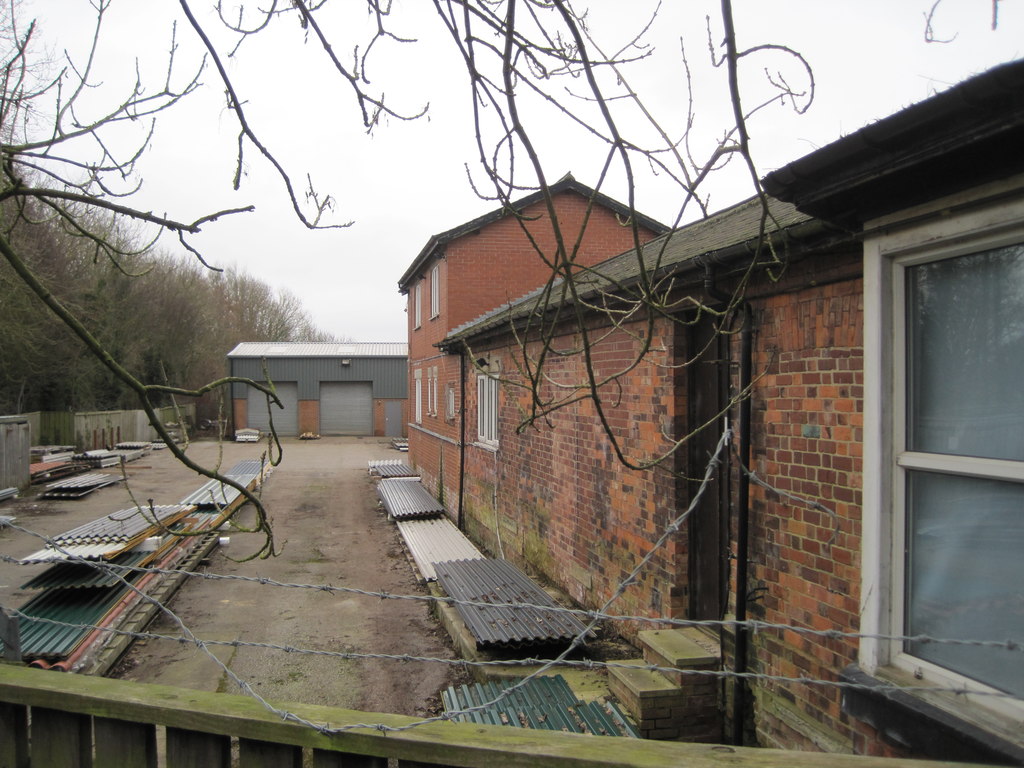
[(408, 180)]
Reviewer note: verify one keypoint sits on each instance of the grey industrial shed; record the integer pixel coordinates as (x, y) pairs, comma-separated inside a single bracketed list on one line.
[(326, 388)]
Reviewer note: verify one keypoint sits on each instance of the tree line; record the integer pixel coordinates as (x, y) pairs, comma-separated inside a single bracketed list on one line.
[(166, 318)]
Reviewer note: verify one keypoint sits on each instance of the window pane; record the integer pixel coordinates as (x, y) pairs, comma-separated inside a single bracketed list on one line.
[(965, 321), (965, 574)]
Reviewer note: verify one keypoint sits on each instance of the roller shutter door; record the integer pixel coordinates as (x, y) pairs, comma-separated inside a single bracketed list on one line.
[(346, 408), (286, 421)]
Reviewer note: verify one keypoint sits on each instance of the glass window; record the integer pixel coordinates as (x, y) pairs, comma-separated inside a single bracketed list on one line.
[(435, 291), (487, 409), (963, 462)]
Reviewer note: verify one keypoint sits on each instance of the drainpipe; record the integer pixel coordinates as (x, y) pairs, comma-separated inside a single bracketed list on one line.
[(462, 435), (739, 699)]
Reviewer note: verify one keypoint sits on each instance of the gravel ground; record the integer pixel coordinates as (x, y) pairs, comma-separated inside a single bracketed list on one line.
[(328, 531)]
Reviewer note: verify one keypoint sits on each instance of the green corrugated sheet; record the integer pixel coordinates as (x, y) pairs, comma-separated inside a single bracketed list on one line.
[(545, 703)]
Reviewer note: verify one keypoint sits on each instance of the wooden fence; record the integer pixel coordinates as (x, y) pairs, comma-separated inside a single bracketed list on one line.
[(100, 429), (56, 720), (14, 454)]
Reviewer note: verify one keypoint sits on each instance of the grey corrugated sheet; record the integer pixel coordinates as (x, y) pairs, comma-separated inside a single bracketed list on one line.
[(320, 349), (122, 525), (80, 576), (406, 497), (391, 468), (76, 487), (74, 551), (435, 540), (544, 703), (213, 493), (498, 581)]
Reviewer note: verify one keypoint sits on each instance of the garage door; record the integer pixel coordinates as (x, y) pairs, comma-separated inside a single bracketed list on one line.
[(346, 408), (286, 421)]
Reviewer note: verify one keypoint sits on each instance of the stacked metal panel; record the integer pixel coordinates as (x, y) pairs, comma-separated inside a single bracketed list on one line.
[(99, 459), (8, 493), (77, 487), (111, 535), (498, 582), (406, 498), (543, 703), (435, 540), (215, 495), (391, 468)]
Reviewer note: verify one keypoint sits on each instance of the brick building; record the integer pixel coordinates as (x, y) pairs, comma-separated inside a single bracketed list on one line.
[(471, 269), (866, 350)]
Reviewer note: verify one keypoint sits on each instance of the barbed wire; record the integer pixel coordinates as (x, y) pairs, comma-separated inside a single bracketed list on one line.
[(541, 666), (754, 625), (588, 664)]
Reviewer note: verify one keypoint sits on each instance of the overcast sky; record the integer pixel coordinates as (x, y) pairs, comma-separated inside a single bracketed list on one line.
[(408, 180)]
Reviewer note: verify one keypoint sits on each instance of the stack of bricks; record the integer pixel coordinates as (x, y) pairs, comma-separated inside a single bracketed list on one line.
[(672, 702)]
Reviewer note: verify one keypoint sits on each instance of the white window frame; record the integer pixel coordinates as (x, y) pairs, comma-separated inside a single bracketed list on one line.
[(418, 394), (449, 402), (432, 391), (417, 305), (887, 255), (435, 291), (487, 403)]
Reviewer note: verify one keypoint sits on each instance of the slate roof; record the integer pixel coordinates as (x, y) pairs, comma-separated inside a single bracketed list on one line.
[(716, 239), (320, 349), (566, 184)]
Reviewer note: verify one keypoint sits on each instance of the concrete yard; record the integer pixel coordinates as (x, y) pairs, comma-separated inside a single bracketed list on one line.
[(328, 531)]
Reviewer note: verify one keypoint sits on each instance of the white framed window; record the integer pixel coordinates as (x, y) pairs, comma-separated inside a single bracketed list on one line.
[(417, 305), (418, 394), (487, 410), (432, 391), (435, 291), (449, 402), (944, 452)]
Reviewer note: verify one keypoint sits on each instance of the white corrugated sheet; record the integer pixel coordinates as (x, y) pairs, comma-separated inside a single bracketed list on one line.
[(436, 540)]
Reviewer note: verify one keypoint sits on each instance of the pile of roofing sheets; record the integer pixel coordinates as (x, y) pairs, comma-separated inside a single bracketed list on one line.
[(391, 468), (42, 471), (8, 493), (77, 590), (77, 487), (543, 703), (40, 453), (247, 435), (405, 497), (435, 540), (508, 618), (134, 445), (400, 444), (111, 535), (99, 459)]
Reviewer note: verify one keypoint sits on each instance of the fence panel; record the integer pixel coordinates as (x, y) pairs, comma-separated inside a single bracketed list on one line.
[(15, 439)]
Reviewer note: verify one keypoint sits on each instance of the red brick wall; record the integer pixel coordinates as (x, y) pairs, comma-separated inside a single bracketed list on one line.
[(480, 272), (309, 416), (555, 496), (805, 563)]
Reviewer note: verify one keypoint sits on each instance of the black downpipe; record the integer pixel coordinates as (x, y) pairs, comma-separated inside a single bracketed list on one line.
[(462, 435), (739, 699)]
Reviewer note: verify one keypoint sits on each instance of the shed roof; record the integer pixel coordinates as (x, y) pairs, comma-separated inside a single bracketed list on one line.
[(320, 349), (717, 239), (965, 136), (565, 184)]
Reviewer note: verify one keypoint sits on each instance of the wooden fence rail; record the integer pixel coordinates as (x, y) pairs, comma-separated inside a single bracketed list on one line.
[(56, 720)]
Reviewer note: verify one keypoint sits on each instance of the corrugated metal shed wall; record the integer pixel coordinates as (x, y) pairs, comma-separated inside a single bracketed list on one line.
[(15, 440), (389, 375)]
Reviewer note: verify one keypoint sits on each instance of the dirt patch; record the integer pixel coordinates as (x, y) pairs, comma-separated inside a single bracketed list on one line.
[(329, 532)]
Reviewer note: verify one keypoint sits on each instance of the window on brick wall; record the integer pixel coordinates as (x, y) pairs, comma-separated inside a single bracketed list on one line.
[(449, 402), (432, 391), (418, 394), (435, 291), (487, 410), (944, 517)]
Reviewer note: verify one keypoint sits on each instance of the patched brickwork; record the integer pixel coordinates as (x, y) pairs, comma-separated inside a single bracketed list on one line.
[(805, 562)]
